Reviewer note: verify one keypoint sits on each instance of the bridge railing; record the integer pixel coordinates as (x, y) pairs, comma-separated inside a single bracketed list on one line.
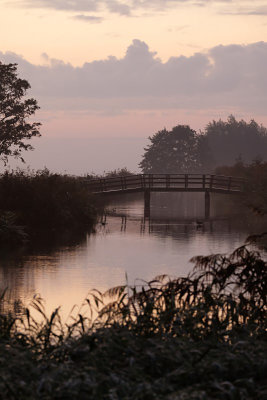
[(181, 182), (116, 183)]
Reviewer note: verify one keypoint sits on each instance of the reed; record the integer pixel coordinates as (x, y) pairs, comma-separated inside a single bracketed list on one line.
[(198, 337), (41, 201)]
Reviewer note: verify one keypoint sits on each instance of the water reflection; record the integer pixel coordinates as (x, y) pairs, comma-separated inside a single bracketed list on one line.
[(124, 246)]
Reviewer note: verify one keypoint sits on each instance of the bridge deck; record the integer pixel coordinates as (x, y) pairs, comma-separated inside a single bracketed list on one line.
[(167, 183)]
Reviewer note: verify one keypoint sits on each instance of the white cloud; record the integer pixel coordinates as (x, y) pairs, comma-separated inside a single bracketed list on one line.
[(230, 77)]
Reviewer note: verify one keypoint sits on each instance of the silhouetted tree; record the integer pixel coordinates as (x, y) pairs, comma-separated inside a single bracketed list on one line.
[(204, 156), (15, 127), (174, 151), (234, 139)]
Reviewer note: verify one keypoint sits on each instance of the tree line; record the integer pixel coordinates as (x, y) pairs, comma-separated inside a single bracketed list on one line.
[(180, 150), (183, 150)]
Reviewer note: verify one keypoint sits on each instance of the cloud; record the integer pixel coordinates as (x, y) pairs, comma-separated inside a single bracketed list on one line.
[(226, 77), (127, 7), (66, 5), (118, 7), (260, 10), (88, 18)]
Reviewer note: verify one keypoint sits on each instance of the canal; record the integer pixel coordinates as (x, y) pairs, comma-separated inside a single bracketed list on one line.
[(126, 248)]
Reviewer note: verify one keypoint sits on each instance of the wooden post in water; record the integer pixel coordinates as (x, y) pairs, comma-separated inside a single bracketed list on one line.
[(147, 203), (207, 204)]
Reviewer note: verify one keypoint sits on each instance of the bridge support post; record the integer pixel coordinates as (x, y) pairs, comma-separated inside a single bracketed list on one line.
[(147, 203), (207, 204)]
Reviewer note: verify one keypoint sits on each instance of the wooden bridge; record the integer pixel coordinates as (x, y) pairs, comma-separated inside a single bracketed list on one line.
[(148, 183)]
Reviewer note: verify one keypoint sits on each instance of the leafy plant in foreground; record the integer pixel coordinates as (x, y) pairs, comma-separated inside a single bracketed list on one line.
[(221, 295), (198, 337)]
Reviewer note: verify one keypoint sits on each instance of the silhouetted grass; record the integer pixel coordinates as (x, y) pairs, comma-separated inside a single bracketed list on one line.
[(198, 337), (42, 200)]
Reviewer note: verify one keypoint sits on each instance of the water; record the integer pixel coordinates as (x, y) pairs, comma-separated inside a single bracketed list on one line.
[(125, 247)]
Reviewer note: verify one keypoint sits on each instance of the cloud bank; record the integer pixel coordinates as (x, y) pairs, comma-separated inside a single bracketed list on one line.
[(127, 7), (231, 77)]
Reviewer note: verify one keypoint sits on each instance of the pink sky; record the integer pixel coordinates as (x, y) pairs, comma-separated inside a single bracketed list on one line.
[(126, 69)]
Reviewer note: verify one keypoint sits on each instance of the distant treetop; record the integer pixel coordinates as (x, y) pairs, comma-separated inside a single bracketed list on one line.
[(183, 150), (180, 150), (232, 140)]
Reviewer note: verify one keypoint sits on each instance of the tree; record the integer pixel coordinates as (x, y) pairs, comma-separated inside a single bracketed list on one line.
[(232, 140), (175, 151), (15, 111)]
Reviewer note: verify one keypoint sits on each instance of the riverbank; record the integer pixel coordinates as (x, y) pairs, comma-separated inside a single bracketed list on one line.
[(185, 338), (36, 203)]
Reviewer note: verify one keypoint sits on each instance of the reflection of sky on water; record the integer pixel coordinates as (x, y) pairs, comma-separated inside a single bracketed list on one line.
[(121, 246)]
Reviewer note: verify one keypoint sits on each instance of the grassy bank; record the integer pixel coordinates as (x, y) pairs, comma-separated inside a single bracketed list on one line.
[(36, 202), (199, 337)]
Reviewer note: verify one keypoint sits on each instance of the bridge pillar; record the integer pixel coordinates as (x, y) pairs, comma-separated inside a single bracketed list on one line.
[(147, 203), (207, 204)]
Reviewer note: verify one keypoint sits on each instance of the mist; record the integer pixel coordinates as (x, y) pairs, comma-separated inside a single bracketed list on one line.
[(82, 155)]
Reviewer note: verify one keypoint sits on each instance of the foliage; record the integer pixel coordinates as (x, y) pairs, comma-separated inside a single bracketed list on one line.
[(198, 337), (43, 200), (174, 151), (182, 150), (118, 172), (15, 111), (220, 296), (232, 139)]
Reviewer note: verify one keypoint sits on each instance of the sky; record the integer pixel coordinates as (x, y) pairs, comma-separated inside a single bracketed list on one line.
[(108, 74)]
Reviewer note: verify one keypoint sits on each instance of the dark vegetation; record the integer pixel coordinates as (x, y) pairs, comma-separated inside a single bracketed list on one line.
[(15, 127), (170, 152), (117, 172), (231, 140), (33, 203), (198, 337), (183, 150), (255, 195)]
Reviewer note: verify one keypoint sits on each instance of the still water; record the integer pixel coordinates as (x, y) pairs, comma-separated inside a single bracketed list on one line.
[(126, 247)]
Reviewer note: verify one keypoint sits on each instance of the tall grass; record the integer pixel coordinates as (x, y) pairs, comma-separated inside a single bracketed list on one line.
[(220, 296), (43, 200), (198, 337)]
